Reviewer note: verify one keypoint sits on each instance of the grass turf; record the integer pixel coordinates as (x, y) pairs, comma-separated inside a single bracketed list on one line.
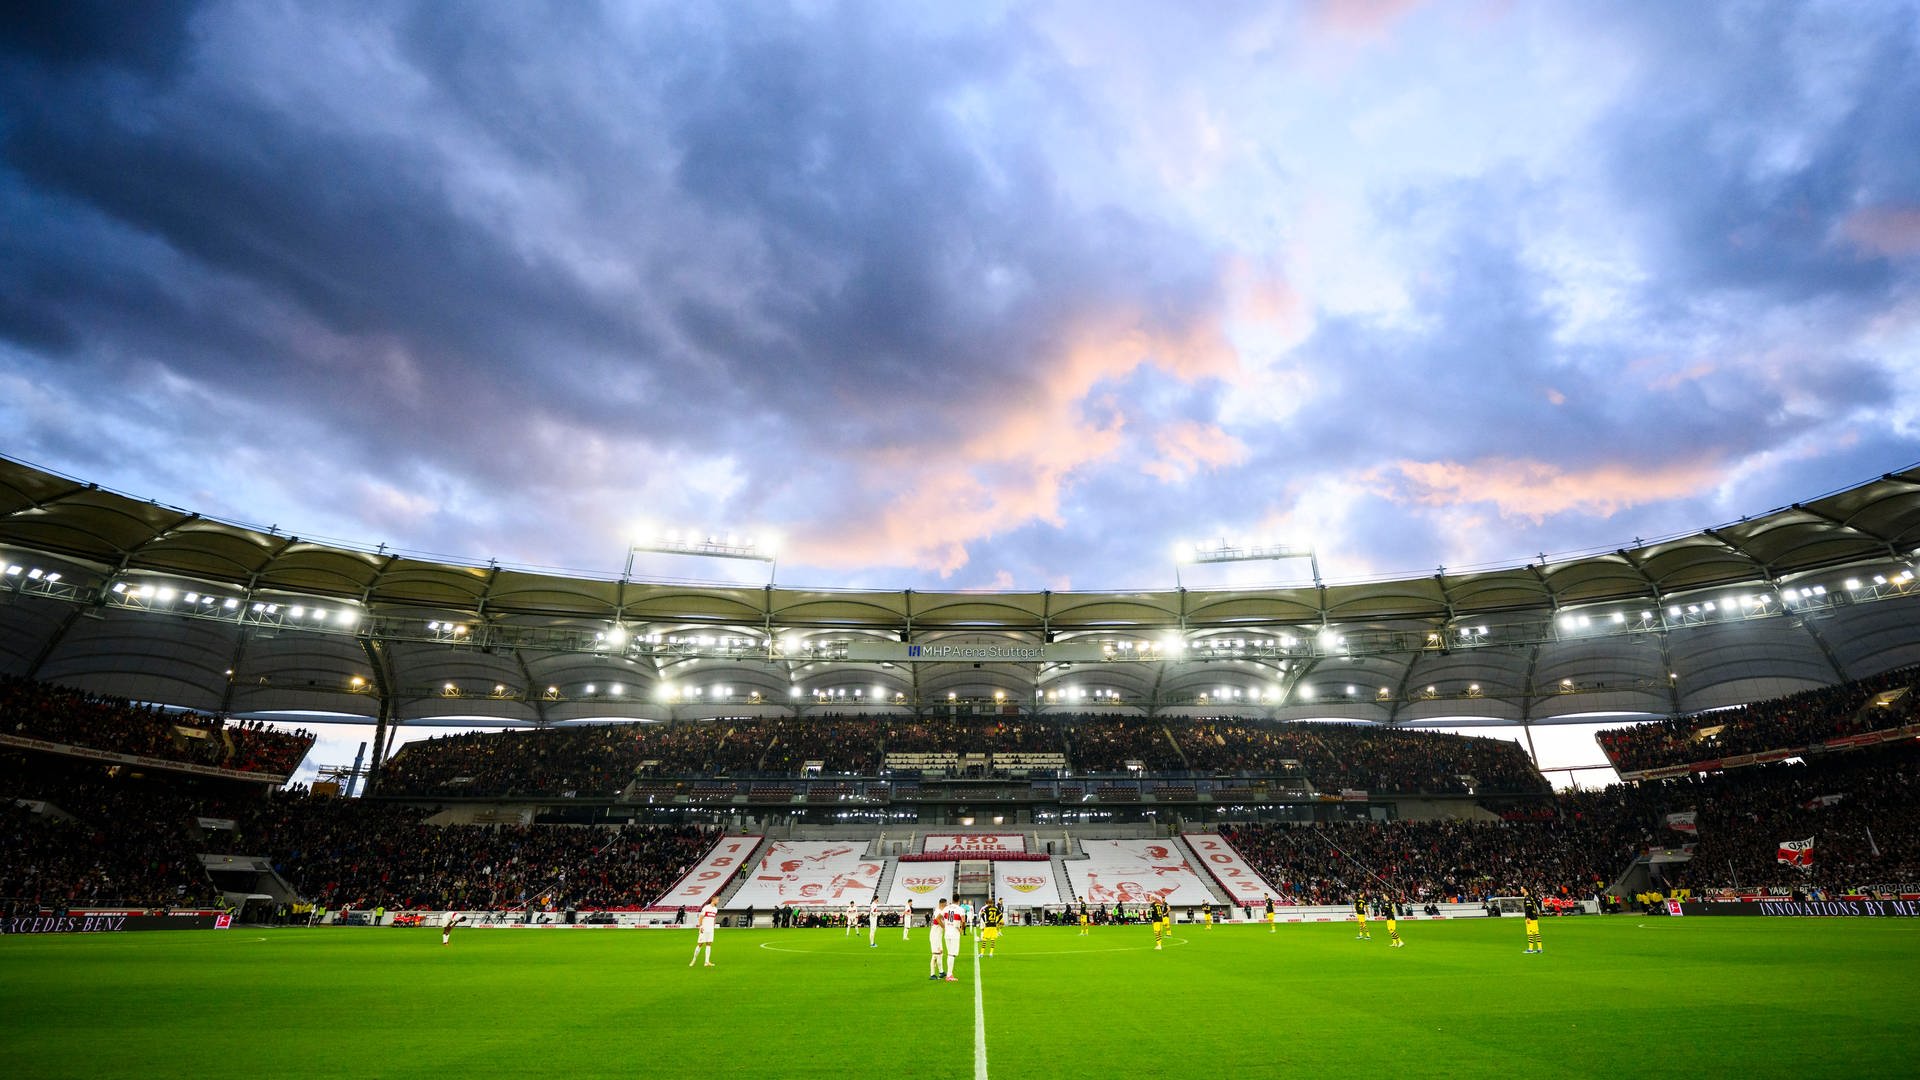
[(1611, 996)]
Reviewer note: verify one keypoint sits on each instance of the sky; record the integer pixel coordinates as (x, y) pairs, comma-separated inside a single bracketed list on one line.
[(964, 295)]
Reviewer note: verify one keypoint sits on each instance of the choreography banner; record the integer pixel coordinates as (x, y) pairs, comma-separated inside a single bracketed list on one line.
[(810, 873), (1242, 883), (711, 875), (1135, 872), (1796, 852), (1683, 822), (920, 884), (1018, 885)]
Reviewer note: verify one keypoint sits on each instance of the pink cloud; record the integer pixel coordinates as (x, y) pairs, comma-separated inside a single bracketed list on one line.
[(1536, 490), (1362, 18), (1187, 447), (1263, 297), (1023, 451), (1659, 374), (1893, 231)]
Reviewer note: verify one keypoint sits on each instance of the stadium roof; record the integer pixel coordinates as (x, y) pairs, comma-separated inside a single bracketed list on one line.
[(97, 587)]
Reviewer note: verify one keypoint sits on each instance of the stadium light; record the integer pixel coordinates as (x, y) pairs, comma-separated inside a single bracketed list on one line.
[(764, 548), (1224, 550)]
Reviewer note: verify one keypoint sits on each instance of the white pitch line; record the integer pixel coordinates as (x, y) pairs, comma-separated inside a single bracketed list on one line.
[(979, 1020)]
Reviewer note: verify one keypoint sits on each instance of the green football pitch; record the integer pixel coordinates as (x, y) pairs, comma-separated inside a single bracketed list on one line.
[(1617, 996)]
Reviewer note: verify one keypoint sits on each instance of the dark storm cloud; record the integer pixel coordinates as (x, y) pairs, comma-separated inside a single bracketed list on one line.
[(1750, 141), (148, 37), (947, 292)]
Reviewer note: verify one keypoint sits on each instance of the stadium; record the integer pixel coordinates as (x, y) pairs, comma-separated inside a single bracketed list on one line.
[(844, 755), (818, 539)]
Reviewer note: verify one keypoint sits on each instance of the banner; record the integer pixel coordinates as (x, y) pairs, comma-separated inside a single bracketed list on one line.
[(921, 884), (711, 874), (217, 824), (1025, 884), (1796, 852), (1821, 802), (810, 874), (1865, 909), (1242, 884), (111, 922), (1683, 822), (1135, 872), (961, 845)]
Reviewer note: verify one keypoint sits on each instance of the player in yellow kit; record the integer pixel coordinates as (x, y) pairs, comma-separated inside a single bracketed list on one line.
[(1162, 920), (991, 919), (1360, 916), (1086, 920), (1530, 907), (1393, 922)]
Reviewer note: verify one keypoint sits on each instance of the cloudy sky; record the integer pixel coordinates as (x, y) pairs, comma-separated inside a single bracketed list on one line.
[(964, 295)]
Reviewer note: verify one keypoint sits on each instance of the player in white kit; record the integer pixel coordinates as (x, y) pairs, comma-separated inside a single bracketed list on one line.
[(951, 923), (709, 916), (873, 922), (853, 916), (906, 919), (937, 939)]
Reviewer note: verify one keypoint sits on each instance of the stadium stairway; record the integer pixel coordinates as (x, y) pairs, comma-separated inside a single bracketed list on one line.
[(743, 874), (887, 870), (1062, 884)]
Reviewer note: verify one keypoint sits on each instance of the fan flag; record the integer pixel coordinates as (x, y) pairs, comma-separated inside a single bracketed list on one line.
[(1796, 852), (1682, 822)]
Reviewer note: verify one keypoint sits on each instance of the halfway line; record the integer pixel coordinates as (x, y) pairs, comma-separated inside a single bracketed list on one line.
[(979, 1020)]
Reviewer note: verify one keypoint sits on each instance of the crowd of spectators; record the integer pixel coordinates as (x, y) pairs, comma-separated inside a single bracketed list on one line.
[(973, 735), (70, 832), (354, 852), (1097, 743), (845, 745), (1793, 722), (73, 832), (1859, 807), (597, 760), (1862, 810), (600, 760), (1397, 760), (76, 831), (59, 714)]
